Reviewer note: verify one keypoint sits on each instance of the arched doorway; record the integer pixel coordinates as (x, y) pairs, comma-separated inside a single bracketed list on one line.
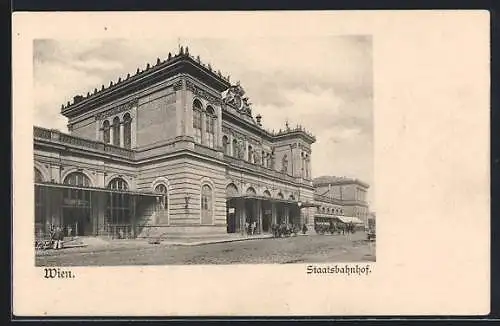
[(39, 203), (267, 216), (118, 218), (77, 206), (250, 208)]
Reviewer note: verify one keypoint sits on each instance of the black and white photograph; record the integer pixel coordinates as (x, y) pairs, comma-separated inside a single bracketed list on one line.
[(203, 151)]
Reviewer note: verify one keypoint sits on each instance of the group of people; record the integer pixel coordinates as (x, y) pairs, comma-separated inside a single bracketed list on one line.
[(339, 228), (55, 240), (286, 229)]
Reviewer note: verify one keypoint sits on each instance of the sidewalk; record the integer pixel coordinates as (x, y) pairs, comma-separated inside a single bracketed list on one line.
[(91, 244)]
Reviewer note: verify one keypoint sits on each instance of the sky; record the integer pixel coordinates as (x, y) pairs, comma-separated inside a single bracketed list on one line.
[(324, 84)]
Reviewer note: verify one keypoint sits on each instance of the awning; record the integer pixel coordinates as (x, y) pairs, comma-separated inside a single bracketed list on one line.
[(308, 204), (324, 216), (350, 219), (97, 189), (343, 219), (280, 200)]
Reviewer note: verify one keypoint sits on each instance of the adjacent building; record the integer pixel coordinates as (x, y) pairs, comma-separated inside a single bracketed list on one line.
[(341, 198), (176, 149)]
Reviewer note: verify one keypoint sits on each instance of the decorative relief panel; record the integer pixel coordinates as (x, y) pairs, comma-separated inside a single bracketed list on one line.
[(116, 110), (202, 93), (177, 85)]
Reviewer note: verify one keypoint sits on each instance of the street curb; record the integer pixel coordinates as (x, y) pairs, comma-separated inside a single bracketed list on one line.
[(162, 243)]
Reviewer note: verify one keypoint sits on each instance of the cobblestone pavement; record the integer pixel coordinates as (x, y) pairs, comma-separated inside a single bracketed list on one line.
[(300, 249)]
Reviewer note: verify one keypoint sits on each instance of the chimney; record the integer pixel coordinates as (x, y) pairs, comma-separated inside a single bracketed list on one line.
[(259, 118)]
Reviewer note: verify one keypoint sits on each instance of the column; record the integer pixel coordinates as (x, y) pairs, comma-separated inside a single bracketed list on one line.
[(98, 131), (133, 217), (286, 210), (258, 216), (133, 126), (245, 142), (240, 215), (230, 145), (218, 141), (121, 134), (274, 213), (111, 134)]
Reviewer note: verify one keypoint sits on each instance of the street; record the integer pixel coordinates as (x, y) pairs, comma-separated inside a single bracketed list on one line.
[(300, 249)]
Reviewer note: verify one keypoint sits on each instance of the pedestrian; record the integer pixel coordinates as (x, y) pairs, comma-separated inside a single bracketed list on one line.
[(254, 226), (247, 227)]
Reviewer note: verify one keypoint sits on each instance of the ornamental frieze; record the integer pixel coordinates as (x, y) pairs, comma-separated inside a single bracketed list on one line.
[(202, 93), (117, 109)]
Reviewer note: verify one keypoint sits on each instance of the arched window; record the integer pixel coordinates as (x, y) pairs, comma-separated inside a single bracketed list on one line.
[(206, 205), (263, 158), (251, 191), (280, 195), (235, 148), (197, 108), (127, 131), (77, 179), (38, 176), (231, 190), (225, 145), (106, 132), (116, 131), (76, 198), (323, 209), (250, 154), (118, 217), (291, 197), (162, 189), (118, 184), (267, 193), (210, 127)]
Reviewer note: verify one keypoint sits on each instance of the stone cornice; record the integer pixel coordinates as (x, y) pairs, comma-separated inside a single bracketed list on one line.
[(198, 91)]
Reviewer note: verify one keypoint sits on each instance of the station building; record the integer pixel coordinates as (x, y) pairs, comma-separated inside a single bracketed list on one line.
[(171, 149)]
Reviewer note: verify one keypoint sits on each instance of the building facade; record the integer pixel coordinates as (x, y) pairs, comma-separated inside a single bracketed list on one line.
[(172, 149)]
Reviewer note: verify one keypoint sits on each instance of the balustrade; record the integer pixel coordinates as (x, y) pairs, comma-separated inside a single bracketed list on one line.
[(41, 133), (57, 136)]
